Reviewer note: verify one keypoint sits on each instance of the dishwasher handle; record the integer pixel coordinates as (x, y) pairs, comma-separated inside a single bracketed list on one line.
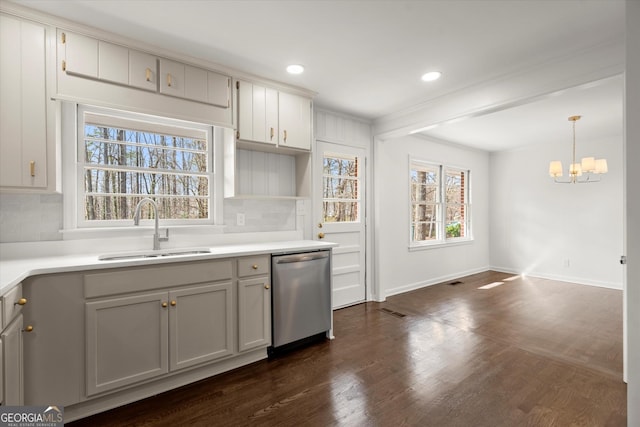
[(311, 256)]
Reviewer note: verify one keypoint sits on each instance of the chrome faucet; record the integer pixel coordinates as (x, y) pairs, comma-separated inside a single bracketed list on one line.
[(136, 221)]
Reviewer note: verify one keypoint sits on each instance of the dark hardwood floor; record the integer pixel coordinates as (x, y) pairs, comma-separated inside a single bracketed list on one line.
[(531, 352)]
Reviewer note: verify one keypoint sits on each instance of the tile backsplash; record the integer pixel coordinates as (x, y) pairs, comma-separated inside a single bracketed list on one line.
[(30, 217), (36, 217)]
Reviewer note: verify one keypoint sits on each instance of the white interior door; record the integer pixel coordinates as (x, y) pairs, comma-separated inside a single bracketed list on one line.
[(341, 218)]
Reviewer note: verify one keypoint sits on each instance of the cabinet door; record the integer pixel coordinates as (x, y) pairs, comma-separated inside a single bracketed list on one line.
[(200, 324), (265, 115), (218, 90), (254, 313), (259, 114), (171, 78), (12, 363), (113, 63), (143, 70), (127, 340), (271, 115), (23, 104), (295, 121), (195, 83), (81, 55), (245, 110)]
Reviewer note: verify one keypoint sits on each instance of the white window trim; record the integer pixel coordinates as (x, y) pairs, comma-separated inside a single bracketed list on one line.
[(70, 121), (441, 240)]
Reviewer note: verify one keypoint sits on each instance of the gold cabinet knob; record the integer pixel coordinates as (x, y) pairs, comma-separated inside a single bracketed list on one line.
[(21, 301), (173, 303), (320, 235), (254, 266), (266, 286), (164, 304), (148, 74), (319, 225), (29, 328)]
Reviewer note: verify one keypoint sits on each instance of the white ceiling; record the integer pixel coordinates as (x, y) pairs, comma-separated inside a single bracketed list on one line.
[(365, 58)]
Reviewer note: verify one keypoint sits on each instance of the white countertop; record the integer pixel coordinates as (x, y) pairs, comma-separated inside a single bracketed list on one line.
[(14, 271)]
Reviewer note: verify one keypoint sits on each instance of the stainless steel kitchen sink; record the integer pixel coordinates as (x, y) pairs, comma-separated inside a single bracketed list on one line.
[(151, 254)]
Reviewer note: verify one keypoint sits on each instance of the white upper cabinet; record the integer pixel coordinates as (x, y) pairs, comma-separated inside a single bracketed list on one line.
[(81, 55), (268, 116), (25, 136), (218, 89), (195, 83), (257, 113), (84, 56), (113, 63), (172, 78), (87, 57), (143, 70), (295, 121)]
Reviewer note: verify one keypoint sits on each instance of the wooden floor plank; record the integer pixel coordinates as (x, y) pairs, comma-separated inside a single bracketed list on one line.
[(530, 352)]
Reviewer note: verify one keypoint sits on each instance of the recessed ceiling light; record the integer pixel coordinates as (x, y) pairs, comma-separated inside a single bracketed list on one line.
[(431, 76), (295, 69)]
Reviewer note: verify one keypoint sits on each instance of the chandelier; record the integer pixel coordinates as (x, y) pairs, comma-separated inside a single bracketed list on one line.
[(588, 170)]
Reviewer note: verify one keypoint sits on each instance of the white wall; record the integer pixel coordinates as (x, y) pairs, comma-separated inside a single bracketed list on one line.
[(632, 158), (570, 232), (398, 269)]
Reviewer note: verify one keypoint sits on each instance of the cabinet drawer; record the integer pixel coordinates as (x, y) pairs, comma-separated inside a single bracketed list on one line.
[(10, 304), (126, 280), (252, 266)]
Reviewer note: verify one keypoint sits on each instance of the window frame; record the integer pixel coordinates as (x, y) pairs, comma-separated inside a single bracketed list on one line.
[(358, 182), (148, 121), (441, 206)]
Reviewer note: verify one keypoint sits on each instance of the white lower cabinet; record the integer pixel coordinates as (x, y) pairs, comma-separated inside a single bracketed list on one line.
[(11, 338), (122, 334), (127, 341), (135, 338), (254, 302), (200, 324), (254, 313)]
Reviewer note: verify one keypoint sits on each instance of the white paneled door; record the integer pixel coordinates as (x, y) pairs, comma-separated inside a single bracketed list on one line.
[(341, 218)]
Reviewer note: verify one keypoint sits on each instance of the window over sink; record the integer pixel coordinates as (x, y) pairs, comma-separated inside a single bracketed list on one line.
[(124, 157)]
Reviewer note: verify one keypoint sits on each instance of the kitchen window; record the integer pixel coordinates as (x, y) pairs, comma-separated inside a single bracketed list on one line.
[(440, 208), (124, 157)]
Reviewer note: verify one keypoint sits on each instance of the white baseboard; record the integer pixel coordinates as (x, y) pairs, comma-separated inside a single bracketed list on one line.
[(433, 281), (561, 278)]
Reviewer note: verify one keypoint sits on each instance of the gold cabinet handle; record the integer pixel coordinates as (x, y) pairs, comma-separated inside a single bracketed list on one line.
[(148, 74), (164, 304), (320, 235), (21, 301), (254, 266), (32, 168), (29, 328), (285, 135), (266, 286), (169, 80), (173, 303), (271, 133), (319, 225)]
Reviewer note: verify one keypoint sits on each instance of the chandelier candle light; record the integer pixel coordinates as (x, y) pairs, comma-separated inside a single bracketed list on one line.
[(589, 166)]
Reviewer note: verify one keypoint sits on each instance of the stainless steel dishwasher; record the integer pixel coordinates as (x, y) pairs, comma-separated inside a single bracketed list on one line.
[(301, 297)]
